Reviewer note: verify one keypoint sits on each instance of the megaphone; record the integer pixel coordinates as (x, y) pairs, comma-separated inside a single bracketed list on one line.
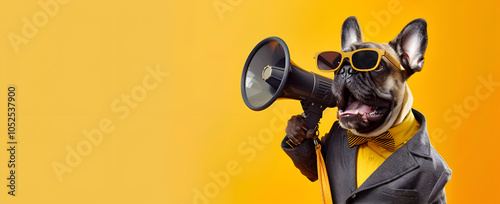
[(269, 74)]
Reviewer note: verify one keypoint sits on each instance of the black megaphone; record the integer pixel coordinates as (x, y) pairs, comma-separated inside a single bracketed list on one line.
[(270, 74)]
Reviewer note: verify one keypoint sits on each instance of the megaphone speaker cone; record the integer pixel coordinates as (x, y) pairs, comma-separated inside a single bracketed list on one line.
[(257, 93)]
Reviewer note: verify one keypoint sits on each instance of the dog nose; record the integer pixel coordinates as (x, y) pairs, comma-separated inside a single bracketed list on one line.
[(346, 71), (351, 70)]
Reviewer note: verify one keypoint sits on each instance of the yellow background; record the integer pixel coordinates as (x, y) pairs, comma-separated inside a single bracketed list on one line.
[(194, 122)]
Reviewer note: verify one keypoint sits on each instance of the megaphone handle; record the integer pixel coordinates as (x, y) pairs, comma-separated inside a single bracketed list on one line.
[(312, 114)]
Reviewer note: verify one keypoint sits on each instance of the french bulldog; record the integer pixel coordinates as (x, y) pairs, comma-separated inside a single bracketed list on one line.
[(372, 96)]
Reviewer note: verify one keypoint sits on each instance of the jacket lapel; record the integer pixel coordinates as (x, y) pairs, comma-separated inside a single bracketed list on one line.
[(350, 159), (342, 166)]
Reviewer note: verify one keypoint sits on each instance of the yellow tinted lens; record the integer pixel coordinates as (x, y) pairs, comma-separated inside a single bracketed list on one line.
[(329, 60)]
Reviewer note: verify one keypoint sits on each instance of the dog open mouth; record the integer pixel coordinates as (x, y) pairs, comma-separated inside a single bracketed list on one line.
[(356, 107), (361, 114)]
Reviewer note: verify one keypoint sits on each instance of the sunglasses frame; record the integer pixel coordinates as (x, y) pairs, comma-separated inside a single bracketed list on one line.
[(381, 52)]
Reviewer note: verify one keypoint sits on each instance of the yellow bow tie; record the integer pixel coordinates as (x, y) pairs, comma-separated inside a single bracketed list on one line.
[(385, 140)]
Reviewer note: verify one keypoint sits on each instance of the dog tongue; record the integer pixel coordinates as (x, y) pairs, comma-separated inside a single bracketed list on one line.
[(355, 105)]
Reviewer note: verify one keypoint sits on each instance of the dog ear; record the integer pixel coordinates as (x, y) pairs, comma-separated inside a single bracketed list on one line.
[(411, 44), (351, 32)]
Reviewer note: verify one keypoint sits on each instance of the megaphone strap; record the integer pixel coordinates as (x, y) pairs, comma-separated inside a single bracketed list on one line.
[(324, 184)]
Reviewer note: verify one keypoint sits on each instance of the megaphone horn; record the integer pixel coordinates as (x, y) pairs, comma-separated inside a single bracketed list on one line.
[(270, 74)]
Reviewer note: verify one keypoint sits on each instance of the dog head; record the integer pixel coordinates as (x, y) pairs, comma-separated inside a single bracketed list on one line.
[(370, 102)]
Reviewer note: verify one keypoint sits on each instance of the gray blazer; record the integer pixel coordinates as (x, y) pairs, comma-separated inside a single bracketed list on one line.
[(414, 173)]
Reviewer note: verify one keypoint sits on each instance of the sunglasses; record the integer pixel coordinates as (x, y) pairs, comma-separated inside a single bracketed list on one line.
[(362, 60)]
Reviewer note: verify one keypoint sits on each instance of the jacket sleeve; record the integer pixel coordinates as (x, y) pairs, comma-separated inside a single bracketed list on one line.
[(303, 157)]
